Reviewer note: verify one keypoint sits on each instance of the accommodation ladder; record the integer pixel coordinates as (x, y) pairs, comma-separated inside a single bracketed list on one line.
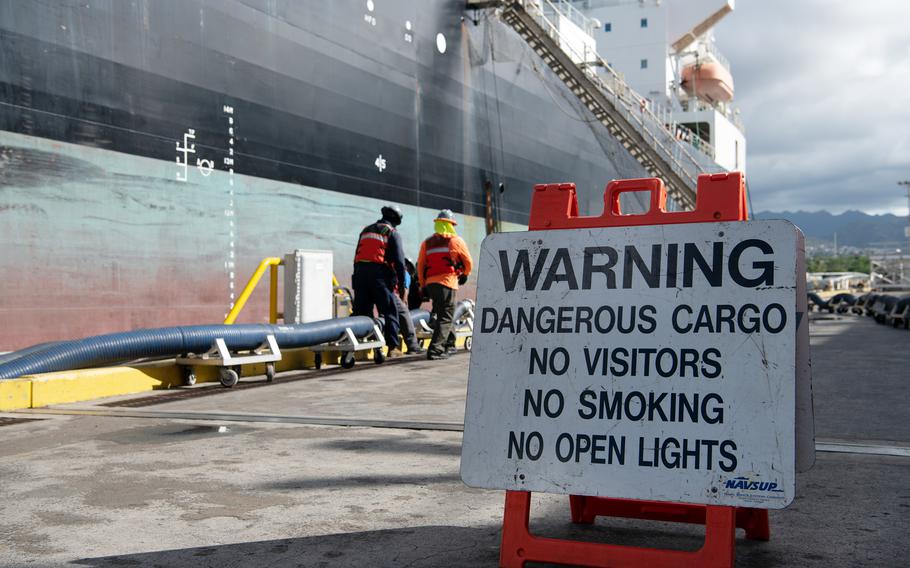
[(625, 113)]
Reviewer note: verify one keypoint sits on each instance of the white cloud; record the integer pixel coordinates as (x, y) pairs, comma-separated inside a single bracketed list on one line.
[(824, 89)]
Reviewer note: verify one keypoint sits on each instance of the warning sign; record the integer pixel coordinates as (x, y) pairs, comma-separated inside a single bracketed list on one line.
[(653, 362)]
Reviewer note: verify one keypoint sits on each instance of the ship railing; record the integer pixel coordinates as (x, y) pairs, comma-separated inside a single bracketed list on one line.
[(632, 106), (714, 52), (682, 133), (729, 112), (566, 9)]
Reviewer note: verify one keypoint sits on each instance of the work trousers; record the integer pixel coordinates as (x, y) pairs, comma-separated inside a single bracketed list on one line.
[(443, 299), (373, 287), (406, 324)]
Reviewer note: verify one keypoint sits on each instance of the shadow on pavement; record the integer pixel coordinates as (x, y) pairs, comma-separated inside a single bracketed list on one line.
[(413, 547), (417, 547), (359, 481), (411, 445), (821, 538)]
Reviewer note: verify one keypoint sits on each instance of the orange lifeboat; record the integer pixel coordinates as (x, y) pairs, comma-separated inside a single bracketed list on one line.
[(709, 81)]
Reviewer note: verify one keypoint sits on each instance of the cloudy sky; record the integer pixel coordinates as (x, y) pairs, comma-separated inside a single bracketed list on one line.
[(824, 88)]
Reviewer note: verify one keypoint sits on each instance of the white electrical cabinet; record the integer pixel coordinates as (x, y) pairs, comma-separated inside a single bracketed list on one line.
[(307, 286)]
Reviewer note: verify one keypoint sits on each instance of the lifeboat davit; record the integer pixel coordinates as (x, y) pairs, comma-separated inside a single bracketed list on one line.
[(709, 81)]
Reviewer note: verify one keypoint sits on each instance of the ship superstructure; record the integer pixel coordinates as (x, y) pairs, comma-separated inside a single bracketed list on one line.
[(665, 50)]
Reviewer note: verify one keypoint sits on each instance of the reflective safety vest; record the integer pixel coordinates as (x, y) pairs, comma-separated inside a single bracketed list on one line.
[(439, 257), (374, 239)]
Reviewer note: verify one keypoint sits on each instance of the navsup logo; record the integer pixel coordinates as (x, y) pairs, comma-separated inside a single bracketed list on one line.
[(744, 483)]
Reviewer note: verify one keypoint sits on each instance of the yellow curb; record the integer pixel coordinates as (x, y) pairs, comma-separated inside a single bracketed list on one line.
[(15, 394), (89, 384)]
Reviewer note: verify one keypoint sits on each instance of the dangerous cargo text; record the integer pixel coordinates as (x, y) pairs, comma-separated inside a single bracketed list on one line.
[(670, 266)]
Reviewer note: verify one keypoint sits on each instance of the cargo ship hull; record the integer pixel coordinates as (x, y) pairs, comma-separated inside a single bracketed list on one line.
[(151, 153)]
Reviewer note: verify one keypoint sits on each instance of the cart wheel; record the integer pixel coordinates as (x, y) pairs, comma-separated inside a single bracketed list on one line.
[(228, 377), (189, 377), (378, 356), (317, 361), (269, 372), (347, 359), (468, 343)]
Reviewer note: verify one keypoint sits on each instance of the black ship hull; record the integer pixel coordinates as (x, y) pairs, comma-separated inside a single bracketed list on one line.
[(152, 152)]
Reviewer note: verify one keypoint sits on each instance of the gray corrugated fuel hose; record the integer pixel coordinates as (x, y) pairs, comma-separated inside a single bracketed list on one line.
[(101, 350), (6, 357)]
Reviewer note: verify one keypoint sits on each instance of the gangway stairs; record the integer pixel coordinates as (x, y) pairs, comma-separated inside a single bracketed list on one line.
[(624, 113)]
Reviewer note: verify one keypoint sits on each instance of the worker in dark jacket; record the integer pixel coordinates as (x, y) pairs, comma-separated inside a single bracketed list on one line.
[(379, 272), (444, 263), (415, 294), (405, 323)]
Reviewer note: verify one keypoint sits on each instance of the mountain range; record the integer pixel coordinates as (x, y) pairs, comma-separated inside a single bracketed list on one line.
[(853, 228)]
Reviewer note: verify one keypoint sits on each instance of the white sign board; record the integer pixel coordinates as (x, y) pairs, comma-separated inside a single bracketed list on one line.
[(653, 362)]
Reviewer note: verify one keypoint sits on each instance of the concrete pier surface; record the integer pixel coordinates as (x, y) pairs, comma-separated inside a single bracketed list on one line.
[(360, 468)]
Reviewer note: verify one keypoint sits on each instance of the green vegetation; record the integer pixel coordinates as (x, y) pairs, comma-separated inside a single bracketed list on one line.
[(852, 263)]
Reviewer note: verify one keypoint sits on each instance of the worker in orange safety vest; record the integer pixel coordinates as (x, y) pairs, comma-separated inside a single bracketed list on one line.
[(444, 263), (379, 273)]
